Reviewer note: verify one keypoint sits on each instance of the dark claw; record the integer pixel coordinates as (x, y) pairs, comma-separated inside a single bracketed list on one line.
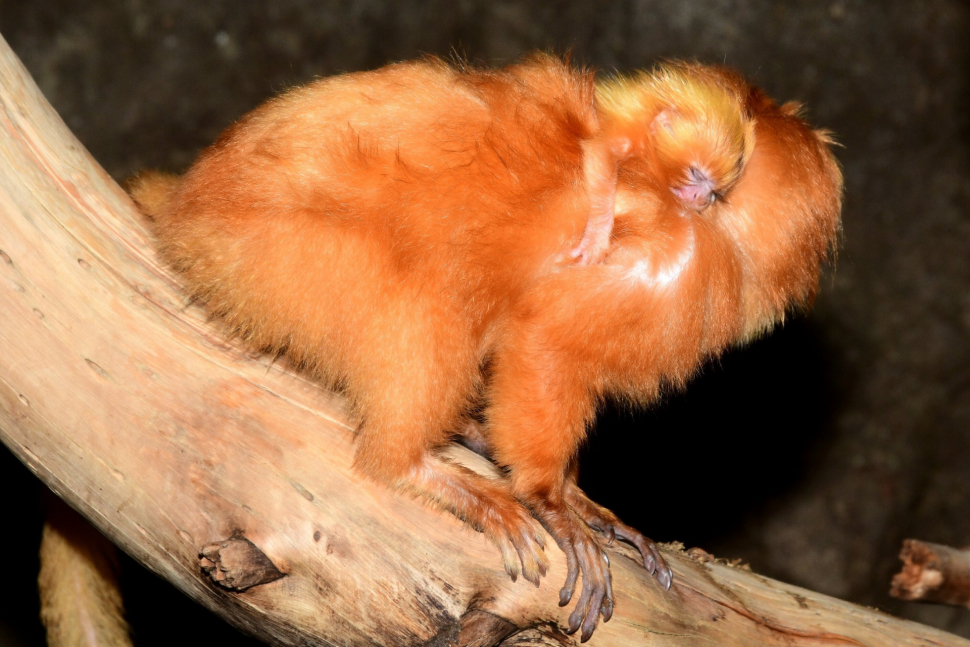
[(565, 595), (666, 577), (608, 606), (650, 563), (573, 624)]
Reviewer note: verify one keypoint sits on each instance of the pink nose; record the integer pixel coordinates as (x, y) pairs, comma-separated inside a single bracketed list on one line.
[(698, 192)]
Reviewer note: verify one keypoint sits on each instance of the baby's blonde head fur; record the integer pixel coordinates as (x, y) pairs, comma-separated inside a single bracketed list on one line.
[(694, 118)]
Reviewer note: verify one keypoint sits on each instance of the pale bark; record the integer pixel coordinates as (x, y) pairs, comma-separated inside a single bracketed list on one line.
[(133, 408)]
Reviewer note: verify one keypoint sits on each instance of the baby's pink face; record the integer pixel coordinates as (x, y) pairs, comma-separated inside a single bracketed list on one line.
[(699, 191)]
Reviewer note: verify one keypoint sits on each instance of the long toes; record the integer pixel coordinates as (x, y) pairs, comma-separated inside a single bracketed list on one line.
[(649, 559), (610, 536), (665, 575), (572, 574), (653, 561), (531, 573), (593, 611), (537, 564), (607, 607), (537, 533), (535, 537), (510, 556), (584, 556), (589, 623), (529, 551), (660, 568), (578, 616), (596, 586), (532, 566)]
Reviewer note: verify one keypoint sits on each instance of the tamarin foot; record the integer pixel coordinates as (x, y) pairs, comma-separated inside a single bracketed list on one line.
[(513, 530), (489, 507), (601, 519), (585, 556)]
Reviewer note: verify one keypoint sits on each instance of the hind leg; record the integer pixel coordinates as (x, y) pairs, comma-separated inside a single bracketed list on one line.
[(413, 394), (488, 506), (547, 376)]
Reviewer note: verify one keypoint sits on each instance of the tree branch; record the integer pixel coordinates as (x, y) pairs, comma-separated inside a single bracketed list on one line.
[(933, 573), (132, 408)]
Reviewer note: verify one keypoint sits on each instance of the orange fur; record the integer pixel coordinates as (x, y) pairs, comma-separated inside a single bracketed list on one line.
[(396, 230), (687, 126)]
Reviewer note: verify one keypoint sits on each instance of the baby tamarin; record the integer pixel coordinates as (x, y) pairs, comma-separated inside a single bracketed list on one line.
[(396, 231), (680, 119)]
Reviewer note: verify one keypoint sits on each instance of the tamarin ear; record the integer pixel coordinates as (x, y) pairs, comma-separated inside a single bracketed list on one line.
[(662, 120)]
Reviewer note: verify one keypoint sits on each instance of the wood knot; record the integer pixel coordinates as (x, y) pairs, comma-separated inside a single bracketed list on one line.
[(237, 564)]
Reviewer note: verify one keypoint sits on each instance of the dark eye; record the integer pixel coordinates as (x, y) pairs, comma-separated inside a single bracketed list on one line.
[(696, 175)]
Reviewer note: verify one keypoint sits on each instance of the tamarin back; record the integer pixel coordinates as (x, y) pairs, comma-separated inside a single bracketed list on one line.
[(394, 231)]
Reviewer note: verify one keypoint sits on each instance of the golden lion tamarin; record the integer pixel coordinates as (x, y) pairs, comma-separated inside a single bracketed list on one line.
[(440, 241)]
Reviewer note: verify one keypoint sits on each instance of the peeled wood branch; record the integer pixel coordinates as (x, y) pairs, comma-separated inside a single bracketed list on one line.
[(179, 446), (933, 573)]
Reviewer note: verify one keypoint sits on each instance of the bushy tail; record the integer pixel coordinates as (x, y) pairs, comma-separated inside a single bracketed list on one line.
[(80, 602), (152, 191)]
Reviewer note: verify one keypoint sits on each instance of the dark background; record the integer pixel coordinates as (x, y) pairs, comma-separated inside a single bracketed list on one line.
[(812, 453)]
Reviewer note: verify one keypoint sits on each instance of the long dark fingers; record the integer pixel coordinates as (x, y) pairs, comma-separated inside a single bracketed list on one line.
[(528, 545), (596, 587), (607, 607), (572, 574), (584, 556), (652, 560)]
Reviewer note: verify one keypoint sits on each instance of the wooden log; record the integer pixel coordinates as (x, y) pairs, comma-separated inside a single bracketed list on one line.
[(80, 601), (197, 457), (933, 573)]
